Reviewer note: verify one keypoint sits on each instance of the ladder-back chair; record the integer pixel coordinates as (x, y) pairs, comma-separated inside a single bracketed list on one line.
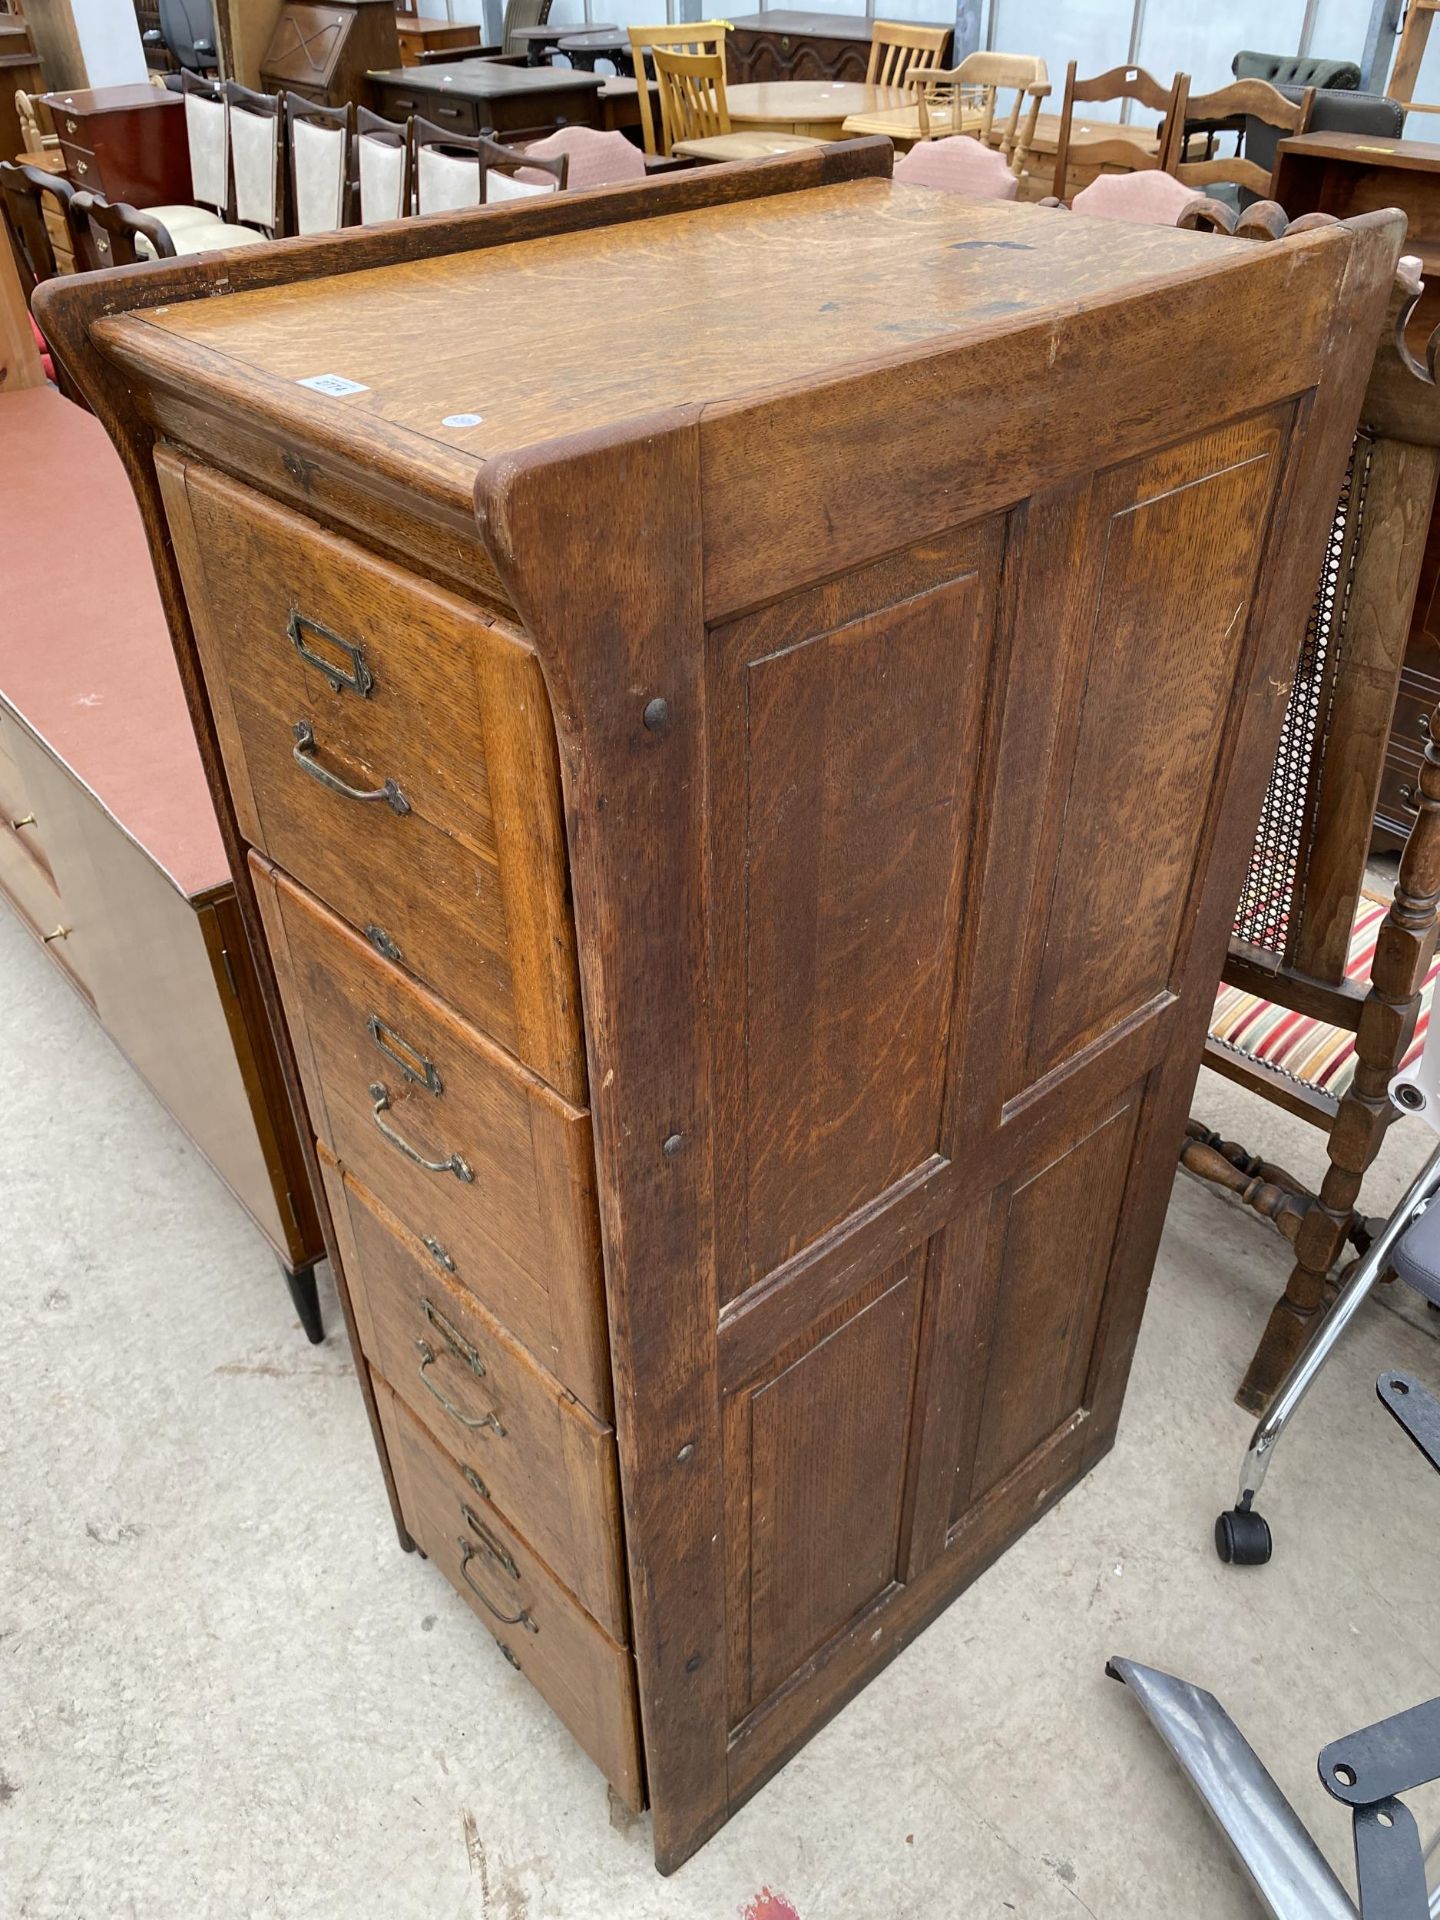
[(1324, 988), (898, 50), (1126, 148), (1243, 100)]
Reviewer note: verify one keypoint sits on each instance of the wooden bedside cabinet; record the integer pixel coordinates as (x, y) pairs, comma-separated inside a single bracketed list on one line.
[(124, 143), (744, 863)]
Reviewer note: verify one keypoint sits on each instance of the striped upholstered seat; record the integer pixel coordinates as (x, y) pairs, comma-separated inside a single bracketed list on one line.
[(1298, 1046)]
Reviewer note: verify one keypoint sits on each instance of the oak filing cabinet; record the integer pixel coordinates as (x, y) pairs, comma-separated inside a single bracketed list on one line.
[(745, 863)]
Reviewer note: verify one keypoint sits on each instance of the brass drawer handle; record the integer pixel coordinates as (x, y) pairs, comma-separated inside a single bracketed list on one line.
[(453, 1339), (60, 933), (303, 752), (380, 1094), (82, 170), (359, 679), (399, 1052), (488, 1543), (427, 1359), (28, 821), (468, 1551)]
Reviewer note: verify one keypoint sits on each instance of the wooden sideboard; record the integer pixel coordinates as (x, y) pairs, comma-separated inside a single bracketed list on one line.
[(1345, 174), (486, 96), (746, 929), (109, 849), (323, 52), (787, 45), (124, 143)]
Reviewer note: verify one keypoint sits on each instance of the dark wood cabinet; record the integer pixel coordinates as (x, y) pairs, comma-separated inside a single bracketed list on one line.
[(124, 143), (787, 45), (743, 867), (323, 52)]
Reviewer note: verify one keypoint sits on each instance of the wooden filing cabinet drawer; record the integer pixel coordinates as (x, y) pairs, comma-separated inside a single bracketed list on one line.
[(547, 1464), (393, 750), (579, 1669), (447, 1133)]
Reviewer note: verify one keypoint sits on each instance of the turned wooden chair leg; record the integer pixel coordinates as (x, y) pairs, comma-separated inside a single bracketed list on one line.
[(1387, 1023)]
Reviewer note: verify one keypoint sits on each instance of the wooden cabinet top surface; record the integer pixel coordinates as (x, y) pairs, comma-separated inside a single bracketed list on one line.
[(488, 80), (1364, 150), (586, 330), (111, 99)]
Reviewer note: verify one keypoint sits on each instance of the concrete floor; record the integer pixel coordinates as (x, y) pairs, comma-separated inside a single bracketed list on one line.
[(223, 1691)]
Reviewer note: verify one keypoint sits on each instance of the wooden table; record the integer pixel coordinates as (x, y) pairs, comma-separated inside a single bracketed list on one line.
[(536, 42), (818, 833), (817, 107), (902, 124), (124, 143), (485, 96), (787, 45), (582, 50)]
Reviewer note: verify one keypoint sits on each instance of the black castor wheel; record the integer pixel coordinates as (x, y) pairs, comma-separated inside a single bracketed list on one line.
[(1243, 1539)]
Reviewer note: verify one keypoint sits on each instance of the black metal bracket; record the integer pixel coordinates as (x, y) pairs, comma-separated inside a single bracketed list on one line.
[(1415, 1408)]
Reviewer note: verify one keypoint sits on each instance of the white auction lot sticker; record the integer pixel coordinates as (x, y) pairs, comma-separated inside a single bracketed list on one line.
[(335, 383)]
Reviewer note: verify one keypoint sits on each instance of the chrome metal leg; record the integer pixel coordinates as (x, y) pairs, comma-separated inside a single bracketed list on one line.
[(1323, 1338), (1286, 1868)]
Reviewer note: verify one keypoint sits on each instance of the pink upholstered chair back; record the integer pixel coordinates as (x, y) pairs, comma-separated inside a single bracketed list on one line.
[(596, 159), (1148, 199), (958, 165)]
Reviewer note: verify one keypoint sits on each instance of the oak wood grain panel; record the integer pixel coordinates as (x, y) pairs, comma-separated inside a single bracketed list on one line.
[(1193, 518), (1050, 1259), (523, 1231), (547, 1464), (822, 1486), (586, 1678), (440, 688), (846, 719)]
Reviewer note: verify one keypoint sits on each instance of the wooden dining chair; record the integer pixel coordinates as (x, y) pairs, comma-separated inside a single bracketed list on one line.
[(318, 138), (456, 171), (695, 116), (958, 165), (704, 36), (1326, 987), (950, 98), (596, 159), (24, 192), (898, 50), (1125, 149), (1227, 110), (384, 164), (115, 234)]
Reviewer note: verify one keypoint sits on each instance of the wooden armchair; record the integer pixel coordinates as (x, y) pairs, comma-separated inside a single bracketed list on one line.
[(26, 194), (1322, 986), (1127, 149), (112, 234), (1229, 108), (949, 98)]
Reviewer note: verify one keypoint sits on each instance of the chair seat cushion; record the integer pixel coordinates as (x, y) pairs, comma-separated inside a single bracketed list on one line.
[(745, 146), (213, 239), (181, 215), (1298, 1046), (1416, 1254)]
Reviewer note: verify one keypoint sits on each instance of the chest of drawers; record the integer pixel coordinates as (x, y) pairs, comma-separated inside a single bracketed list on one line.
[(743, 862), (787, 45), (124, 143)]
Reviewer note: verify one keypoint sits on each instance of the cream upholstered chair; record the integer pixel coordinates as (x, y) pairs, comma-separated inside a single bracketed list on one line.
[(958, 165), (255, 128), (1149, 199), (319, 140), (207, 137), (382, 167), (696, 115), (456, 171), (596, 159)]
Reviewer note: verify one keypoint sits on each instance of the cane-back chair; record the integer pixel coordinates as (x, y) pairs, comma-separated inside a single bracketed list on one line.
[(1325, 990)]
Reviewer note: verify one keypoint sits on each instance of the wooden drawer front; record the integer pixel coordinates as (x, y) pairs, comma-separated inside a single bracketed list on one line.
[(81, 164), (386, 1062), (21, 827), (547, 1464), (328, 671), (585, 1676)]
